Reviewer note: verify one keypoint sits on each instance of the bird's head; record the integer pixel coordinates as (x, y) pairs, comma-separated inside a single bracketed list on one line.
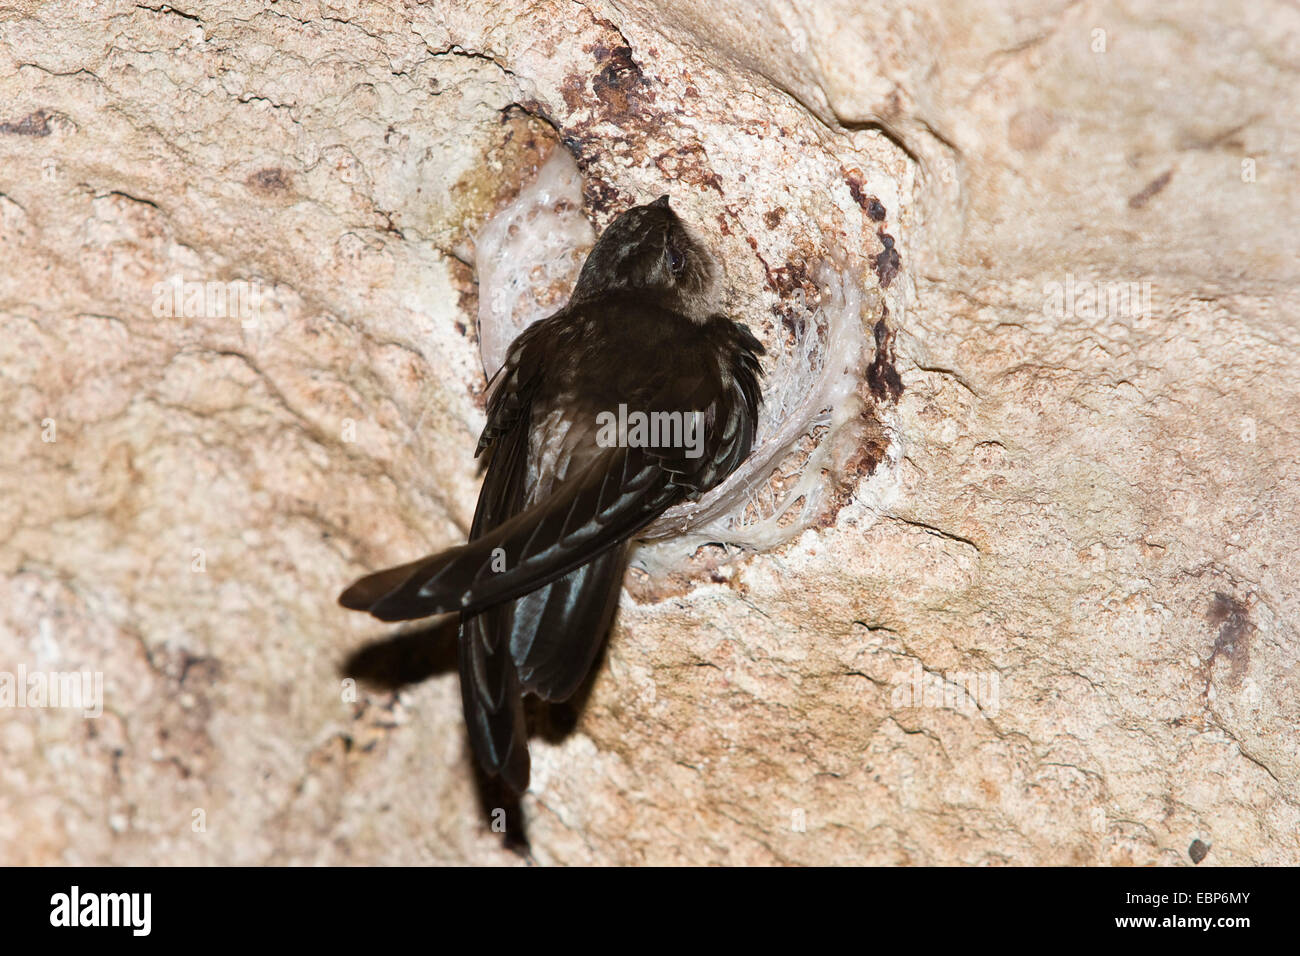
[(648, 249)]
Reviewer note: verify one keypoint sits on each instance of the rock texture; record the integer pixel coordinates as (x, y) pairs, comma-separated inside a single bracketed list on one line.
[(1050, 617)]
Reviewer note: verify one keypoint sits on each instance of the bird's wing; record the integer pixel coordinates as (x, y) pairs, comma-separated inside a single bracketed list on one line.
[(556, 631), (489, 682), (612, 494), (735, 414), (490, 689), (605, 495), (613, 498)]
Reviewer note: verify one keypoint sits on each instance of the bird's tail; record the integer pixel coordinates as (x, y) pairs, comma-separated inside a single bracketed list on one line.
[(612, 501), (490, 692)]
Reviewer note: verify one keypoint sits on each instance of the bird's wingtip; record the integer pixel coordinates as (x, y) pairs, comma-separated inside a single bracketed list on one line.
[(353, 599), (368, 593)]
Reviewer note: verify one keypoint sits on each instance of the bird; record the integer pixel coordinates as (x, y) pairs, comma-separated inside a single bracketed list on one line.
[(566, 490)]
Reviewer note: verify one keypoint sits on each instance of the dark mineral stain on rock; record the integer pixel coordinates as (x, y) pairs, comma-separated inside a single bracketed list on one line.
[(794, 275), (882, 377), (520, 143), (573, 89), (772, 218), (858, 190), (613, 117), (600, 196), (1030, 129), (269, 180), (688, 164), (888, 262), (1198, 851), (618, 94), (1142, 197), (1232, 618), (33, 124), (620, 85), (870, 452), (857, 187)]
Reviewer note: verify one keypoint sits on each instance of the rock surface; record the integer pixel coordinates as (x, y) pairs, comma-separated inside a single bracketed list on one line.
[(1050, 620)]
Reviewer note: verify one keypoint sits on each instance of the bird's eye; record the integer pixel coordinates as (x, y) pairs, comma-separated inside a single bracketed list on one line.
[(676, 260)]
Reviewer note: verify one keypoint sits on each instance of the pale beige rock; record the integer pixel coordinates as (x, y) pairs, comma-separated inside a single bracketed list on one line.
[(1089, 512)]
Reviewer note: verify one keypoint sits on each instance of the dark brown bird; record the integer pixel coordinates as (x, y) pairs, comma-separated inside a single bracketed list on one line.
[(565, 493)]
